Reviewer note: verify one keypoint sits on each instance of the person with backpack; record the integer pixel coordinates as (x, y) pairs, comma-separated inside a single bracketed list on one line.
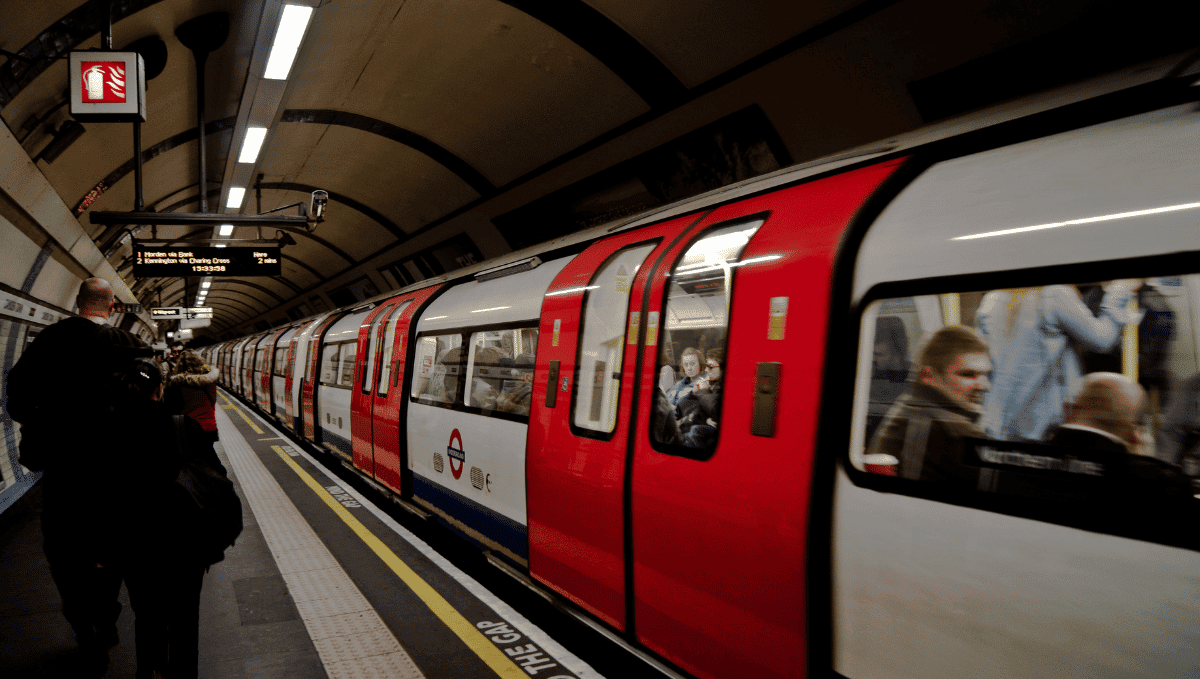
[(60, 393), (192, 391), (163, 538)]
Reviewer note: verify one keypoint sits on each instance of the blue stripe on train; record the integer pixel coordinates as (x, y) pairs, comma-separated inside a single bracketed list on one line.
[(489, 522)]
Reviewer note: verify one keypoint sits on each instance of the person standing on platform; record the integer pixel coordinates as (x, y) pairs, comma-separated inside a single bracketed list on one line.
[(192, 391), (58, 391)]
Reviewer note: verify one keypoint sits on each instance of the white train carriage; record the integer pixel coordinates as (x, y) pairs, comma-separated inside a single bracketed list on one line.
[(473, 352)]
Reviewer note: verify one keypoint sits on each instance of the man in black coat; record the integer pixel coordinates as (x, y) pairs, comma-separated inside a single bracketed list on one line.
[(57, 391), (1106, 418), (926, 429)]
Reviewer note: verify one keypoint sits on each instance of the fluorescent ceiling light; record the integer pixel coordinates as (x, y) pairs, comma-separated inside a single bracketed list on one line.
[(571, 290), (252, 144), (206, 284), (292, 23), (236, 194), (495, 308), (225, 230), (221, 245), (1086, 220)]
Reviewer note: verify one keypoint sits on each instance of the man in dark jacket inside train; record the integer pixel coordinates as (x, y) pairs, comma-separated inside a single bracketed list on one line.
[(57, 391), (926, 428)]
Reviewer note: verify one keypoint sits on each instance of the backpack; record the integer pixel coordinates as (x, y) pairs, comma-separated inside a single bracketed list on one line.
[(217, 515)]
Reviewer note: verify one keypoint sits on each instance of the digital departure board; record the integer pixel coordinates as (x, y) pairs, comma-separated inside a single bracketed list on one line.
[(150, 260)]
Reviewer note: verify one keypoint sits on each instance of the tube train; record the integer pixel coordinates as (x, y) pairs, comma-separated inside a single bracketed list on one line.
[(525, 402)]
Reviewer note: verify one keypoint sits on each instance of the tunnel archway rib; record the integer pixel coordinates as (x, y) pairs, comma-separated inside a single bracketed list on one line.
[(349, 202), (619, 51), (153, 152), (474, 178)]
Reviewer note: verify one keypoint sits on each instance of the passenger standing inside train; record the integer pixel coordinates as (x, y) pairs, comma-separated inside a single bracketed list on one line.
[(59, 392), (926, 428), (153, 540), (192, 391), (1037, 371), (690, 365)]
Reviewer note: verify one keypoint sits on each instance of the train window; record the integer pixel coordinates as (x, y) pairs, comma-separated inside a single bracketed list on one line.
[(389, 339), (346, 376), (1082, 397), (329, 364), (438, 368), (602, 341), (260, 360), (280, 359), (691, 357), (500, 365)]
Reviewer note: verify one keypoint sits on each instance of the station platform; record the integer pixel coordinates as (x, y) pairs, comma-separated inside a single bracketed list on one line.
[(321, 583)]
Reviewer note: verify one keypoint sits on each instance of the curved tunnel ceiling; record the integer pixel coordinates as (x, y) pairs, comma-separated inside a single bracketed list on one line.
[(433, 121)]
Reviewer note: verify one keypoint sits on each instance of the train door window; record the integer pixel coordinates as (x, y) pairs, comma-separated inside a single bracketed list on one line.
[(691, 357), (500, 366), (372, 346), (438, 368), (389, 339), (602, 342), (1069, 400), (280, 359), (329, 364), (347, 355)]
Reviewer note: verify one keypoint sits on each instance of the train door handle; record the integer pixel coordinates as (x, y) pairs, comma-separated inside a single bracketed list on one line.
[(766, 392), (552, 385)]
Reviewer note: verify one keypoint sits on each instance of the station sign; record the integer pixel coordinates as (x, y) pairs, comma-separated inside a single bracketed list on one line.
[(169, 312), (108, 86), (151, 260), (166, 312)]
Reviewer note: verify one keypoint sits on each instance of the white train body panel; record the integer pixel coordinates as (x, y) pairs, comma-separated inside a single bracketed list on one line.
[(335, 381), (931, 589), (481, 483)]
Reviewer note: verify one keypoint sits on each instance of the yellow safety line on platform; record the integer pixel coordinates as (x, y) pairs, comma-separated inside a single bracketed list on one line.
[(230, 406), (488, 652)]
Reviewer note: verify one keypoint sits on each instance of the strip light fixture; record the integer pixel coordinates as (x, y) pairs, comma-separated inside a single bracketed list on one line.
[(236, 195), (252, 144), (292, 23)]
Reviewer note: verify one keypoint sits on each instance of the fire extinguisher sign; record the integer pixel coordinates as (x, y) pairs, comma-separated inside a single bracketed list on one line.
[(108, 86)]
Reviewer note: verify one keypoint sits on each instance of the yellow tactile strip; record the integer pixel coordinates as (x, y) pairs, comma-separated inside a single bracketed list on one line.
[(351, 639)]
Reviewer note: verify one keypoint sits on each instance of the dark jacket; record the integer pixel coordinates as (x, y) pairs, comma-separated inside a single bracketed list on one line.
[(925, 430)]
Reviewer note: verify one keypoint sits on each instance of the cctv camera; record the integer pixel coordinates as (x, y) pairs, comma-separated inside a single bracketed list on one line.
[(319, 199)]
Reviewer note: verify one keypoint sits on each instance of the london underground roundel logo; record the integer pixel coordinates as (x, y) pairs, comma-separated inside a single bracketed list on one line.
[(455, 452)]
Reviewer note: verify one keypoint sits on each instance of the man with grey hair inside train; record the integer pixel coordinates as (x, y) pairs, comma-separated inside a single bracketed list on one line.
[(1106, 419), (927, 427), (58, 392)]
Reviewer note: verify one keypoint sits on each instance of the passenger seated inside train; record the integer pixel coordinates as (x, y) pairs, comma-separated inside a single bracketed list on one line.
[(925, 430), (689, 365), (517, 392), (696, 413)]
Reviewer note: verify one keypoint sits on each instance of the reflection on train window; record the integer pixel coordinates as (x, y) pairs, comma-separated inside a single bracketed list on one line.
[(500, 366), (438, 366), (389, 339), (1085, 396), (602, 340), (329, 364), (691, 357)]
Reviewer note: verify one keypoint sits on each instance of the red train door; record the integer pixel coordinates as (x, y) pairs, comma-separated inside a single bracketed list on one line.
[(308, 389), (366, 374), (388, 399), (577, 448), (267, 400), (720, 492)]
